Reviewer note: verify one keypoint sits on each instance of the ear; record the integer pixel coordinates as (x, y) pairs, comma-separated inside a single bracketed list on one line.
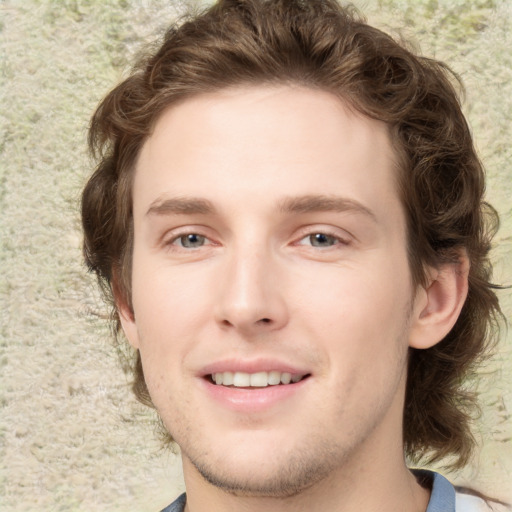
[(437, 307), (126, 314)]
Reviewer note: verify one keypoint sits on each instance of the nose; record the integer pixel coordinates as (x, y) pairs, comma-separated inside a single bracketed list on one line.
[(251, 299)]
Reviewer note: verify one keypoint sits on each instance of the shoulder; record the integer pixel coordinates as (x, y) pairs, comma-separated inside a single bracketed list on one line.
[(466, 502), (176, 506)]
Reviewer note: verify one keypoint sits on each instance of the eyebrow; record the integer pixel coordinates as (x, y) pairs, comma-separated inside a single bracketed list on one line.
[(324, 203), (298, 205), (181, 206)]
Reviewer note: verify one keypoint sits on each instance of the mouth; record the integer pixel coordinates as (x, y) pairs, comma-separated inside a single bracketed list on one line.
[(255, 380)]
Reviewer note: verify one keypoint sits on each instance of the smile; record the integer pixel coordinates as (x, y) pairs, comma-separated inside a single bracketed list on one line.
[(255, 380)]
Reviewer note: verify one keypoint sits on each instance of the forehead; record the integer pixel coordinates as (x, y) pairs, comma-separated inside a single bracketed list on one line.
[(268, 142)]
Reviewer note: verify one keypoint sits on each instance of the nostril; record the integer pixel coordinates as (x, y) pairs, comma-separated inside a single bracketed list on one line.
[(265, 320)]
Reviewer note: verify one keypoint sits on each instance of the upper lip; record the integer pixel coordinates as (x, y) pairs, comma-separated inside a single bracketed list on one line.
[(252, 366)]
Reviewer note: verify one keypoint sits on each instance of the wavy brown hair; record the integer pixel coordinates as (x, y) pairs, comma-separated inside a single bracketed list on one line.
[(321, 45)]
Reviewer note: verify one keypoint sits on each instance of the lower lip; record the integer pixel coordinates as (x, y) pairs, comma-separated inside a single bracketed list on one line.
[(255, 399)]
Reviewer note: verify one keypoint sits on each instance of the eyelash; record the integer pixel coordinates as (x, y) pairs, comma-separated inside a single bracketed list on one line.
[(182, 236), (337, 240), (309, 234)]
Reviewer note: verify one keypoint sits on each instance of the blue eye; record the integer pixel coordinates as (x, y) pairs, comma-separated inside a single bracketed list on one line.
[(321, 240), (191, 241)]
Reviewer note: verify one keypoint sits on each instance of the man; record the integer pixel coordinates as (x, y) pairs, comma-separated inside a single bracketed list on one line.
[(288, 218)]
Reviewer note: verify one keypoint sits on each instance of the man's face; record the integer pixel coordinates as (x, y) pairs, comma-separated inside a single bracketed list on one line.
[(270, 245)]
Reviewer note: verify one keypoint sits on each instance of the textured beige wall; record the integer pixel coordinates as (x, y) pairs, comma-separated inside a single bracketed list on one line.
[(71, 436)]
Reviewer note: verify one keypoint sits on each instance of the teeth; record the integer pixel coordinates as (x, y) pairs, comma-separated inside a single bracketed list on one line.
[(259, 380), (286, 378), (241, 380), (274, 378), (227, 378), (255, 380)]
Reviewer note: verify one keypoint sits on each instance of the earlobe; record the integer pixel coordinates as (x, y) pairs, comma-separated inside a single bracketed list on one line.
[(126, 316), (437, 307), (129, 327)]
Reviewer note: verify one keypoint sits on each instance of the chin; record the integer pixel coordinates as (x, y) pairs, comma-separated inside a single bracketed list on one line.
[(282, 475), (284, 484)]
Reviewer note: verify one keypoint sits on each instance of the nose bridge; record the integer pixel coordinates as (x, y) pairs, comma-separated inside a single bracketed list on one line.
[(250, 295)]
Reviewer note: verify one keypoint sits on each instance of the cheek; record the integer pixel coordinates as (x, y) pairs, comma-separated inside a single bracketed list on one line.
[(168, 302), (361, 314), (378, 293), (169, 312)]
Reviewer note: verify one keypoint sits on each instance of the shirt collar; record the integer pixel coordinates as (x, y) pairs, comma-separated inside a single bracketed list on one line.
[(442, 498)]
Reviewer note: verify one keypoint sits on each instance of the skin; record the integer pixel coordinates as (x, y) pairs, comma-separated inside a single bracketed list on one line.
[(269, 232)]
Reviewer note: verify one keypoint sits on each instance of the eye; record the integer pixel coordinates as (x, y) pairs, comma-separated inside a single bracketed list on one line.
[(190, 241), (320, 240)]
